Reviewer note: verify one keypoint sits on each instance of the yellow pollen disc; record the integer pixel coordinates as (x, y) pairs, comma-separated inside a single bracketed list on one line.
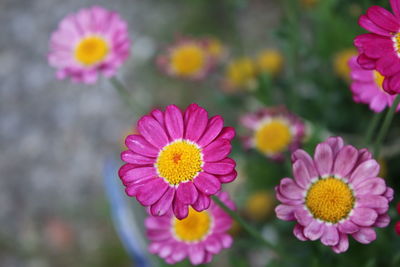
[(273, 136), (91, 50), (179, 162), (378, 79), (330, 200), (187, 60), (396, 41), (241, 72), (194, 227)]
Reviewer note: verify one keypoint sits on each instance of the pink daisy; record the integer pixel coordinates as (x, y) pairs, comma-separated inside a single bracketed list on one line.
[(188, 58), (92, 41), (334, 195), (380, 49), (197, 237), (367, 87), (177, 159), (274, 131)]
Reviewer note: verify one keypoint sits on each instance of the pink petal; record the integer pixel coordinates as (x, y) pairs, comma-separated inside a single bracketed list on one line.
[(365, 235), (226, 240), (138, 174), (159, 116), (213, 245), (298, 232), (135, 158), (213, 129), (227, 178), (330, 237), (158, 235), (227, 133), (389, 193), (367, 169), (288, 188), (152, 191), (373, 202), (217, 150), (343, 244), (382, 221), (138, 144), (222, 167), (364, 216), (383, 18), (180, 252), (196, 119), (303, 217), (314, 230), (152, 131), (300, 154), (301, 174), (285, 212), (202, 203), (395, 4), (323, 158), (371, 186), (285, 200), (348, 227), (125, 168), (174, 122), (367, 24), (336, 144), (207, 183), (181, 210), (163, 205), (187, 193), (196, 254), (157, 223), (345, 161)]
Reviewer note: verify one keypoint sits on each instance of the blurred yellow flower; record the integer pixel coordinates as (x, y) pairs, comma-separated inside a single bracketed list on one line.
[(308, 3), (340, 63), (259, 205), (383, 172), (240, 74), (215, 48), (270, 61)]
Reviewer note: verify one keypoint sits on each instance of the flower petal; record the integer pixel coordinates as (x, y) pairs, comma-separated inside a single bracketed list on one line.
[(288, 188), (365, 235), (196, 254), (301, 174), (174, 122), (383, 18), (323, 158), (217, 150), (213, 245), (330, 237), (187, 193), (298, 232), (395, 4), (196, 119), (207, 183), (138, 144), (213, 129), (364, 216), (300, 154), (222, 167), (138, 174), (345, 161), (367, 169), (135, 158), (152, 191), (348, 227), (163, 205), (202, 203), (152, 131), (181, 210), (367, 24), (343, 244), (227, 133), (314, 230), (371, 186), (303, 217), (285, 212), (382, 221), (227, 178)]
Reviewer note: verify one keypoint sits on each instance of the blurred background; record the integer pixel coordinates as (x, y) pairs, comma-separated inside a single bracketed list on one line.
[(57, 138)]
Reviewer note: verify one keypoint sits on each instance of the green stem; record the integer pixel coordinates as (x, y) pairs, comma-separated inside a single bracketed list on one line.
[(244, 224), (371, 128), (125, 95), (385, 126)]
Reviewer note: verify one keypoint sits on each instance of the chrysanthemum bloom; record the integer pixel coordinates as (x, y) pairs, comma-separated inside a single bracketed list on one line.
[(334, 195), (198, 237), (241, 74), (274, 131), (260, 205), (341, 63), (215, 48), (87, 43), (187, 58), (270, 61), (367, 87), (380, 49), (177, 159)]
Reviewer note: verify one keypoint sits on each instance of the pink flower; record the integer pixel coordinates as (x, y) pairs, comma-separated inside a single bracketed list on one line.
[(177, 159), (197, 237), (366, 87), (87, 43), (380, 49), (274, 131), (188, 58), (334, 195)]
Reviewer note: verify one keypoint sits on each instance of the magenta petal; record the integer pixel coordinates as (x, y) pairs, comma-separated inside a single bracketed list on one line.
[(213, 129), (389, 194), (125, 168), (345, 161), (336, 144), (158, 235), (161, 207), (300, 154), (213, 245), (180, 252), (155, 222), (379, 203), (159, 116), (217, 150), (202, 203), (187, 193), (365, 235), (196, 119), (382, 221), (135, 158), (140, 173), (364, 216), (207, 183), (367, 24), (330, 237), (348, 227), (395, 4), (343, 244), (301, 174), (227, 133), (152, 191), (285, 212), (152, 131), (298, 232), (138, 144), (383, 18), (367, 169), (371, 186), (222, 167), (323, 158), (181, 210), (174, 122), (290, 189), (226, 240), (196, 254), (227, 178), (314, 230), (303, 217)]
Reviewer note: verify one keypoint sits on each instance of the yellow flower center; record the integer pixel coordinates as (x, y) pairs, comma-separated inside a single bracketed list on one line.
[(396, 40), (273, 136), (179, 162), (330, 200), (91, 50), (378, 79), (188, 59), (194, 227), (241, 72), (270, 61)]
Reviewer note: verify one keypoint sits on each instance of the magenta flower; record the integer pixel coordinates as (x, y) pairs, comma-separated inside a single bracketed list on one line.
[(177, 159), (380, 49), (197, 237), (274, 131), (87, 43), (366, 87), (334, 195)]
